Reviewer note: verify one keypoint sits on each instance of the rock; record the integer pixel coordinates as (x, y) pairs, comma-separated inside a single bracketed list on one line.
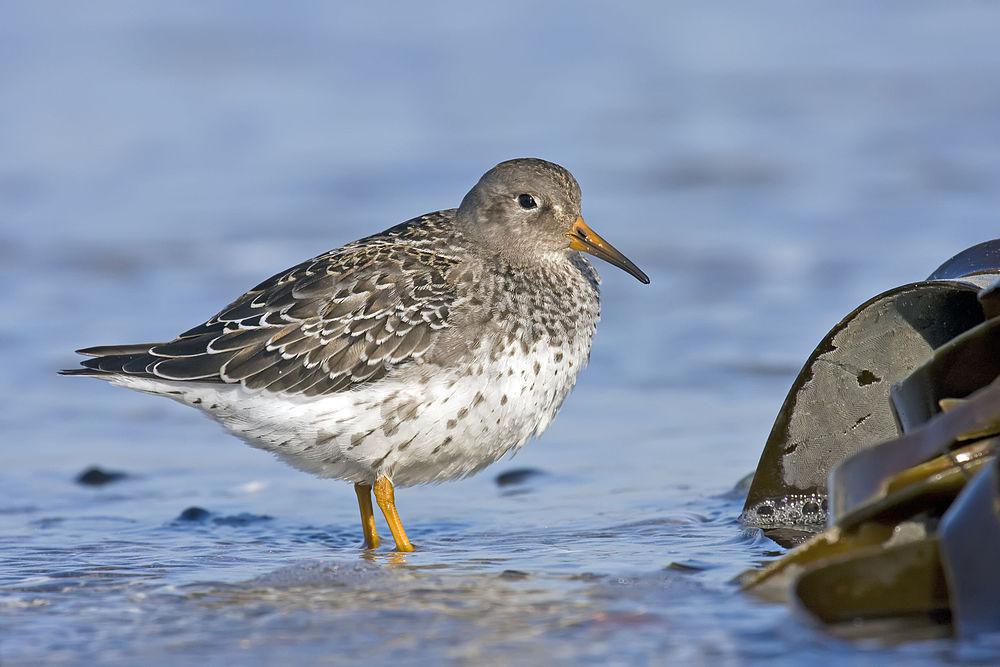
[(96, 476), (517, 476), (194, 514)]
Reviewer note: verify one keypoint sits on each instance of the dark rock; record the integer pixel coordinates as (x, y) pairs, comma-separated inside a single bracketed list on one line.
[(99, 477), (517, 476), (839, 404), (687, 566), (194, 514)]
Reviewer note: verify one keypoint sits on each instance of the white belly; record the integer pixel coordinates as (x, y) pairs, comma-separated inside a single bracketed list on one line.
[(450, 425)]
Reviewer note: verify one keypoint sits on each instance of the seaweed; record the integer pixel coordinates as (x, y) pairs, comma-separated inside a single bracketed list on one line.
[(895, 423)]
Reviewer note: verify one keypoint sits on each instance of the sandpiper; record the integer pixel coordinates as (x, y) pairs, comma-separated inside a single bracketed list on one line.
[(420, 354)]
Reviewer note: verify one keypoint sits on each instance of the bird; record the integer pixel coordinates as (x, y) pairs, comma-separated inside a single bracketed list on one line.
[(417, 355)]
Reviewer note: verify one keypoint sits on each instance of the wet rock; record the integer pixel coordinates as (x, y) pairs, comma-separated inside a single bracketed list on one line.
[(197, 514), (518, 476), (194, 514), (514, 575), (241, 519), (789, 536), (687, 566), (840, 403), (96, 476), (913, 533)]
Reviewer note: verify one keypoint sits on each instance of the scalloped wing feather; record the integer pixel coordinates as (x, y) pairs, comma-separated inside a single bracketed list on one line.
[(332, 323)]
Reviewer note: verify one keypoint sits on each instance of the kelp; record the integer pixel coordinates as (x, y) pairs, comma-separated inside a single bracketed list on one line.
[(929, 568), (970, 552), (839, 403), (956, 369), (879, 582), (861, 479), (903, 460)]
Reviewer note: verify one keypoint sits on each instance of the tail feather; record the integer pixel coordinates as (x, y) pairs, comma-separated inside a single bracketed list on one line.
[(81, 371), (114, 360), (109, 350)]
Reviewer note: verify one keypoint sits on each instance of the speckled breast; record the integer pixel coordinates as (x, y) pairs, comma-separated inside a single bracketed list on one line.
[(534, 336)]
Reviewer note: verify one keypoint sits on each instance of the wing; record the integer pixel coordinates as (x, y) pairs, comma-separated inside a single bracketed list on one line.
[(330, 324)]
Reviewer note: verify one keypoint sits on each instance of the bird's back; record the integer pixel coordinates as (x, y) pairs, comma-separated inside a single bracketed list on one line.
[(332, 323)]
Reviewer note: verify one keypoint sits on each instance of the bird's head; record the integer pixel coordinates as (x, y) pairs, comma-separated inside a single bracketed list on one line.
[(528, 207)]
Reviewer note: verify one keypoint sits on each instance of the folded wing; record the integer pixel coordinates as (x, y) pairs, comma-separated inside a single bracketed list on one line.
[(345, 318)]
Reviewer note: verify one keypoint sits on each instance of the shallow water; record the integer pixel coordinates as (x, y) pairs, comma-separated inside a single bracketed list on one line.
[(769, 170)]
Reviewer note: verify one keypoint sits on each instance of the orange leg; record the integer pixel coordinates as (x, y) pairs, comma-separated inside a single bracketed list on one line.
[(386, 499), (364, 492)]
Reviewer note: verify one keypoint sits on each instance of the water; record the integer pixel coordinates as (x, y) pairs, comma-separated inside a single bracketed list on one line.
[(770, 169)]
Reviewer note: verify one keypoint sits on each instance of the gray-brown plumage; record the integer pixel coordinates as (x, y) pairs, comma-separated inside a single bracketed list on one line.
[(418, 354), (329, 324)]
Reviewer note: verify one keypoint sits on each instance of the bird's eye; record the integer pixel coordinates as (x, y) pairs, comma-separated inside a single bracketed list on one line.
[(526, 201)]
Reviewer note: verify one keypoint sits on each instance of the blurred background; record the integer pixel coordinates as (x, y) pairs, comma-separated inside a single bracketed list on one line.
[(771, 166)]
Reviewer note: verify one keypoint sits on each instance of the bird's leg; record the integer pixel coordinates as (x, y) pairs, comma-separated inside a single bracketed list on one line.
[(364, 492), (385, 497)]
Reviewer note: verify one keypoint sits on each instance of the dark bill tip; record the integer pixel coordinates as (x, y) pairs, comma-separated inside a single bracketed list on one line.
[(585, 239)]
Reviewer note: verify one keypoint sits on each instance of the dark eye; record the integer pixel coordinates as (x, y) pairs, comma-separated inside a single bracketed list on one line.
[(526, 201)]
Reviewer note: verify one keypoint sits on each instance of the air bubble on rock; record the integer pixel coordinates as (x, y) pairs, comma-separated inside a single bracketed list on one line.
[(806, 510)]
